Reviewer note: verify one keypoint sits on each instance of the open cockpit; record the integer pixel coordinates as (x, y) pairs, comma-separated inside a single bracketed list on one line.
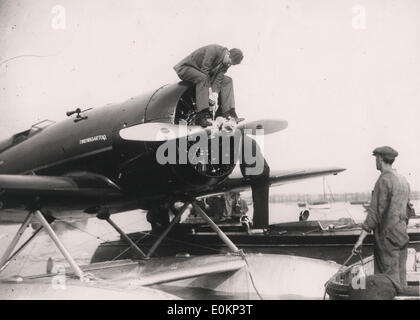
[(22, 136)]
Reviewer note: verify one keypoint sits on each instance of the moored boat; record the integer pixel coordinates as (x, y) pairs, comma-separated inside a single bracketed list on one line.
[(319, 205), (358, 202)]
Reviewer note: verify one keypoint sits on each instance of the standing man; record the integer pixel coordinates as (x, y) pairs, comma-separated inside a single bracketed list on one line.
[(240, 207), (206, 68), (388, 218), (235, 206)]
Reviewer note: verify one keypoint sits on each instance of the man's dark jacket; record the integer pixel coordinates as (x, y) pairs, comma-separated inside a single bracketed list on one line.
[(209, 61)]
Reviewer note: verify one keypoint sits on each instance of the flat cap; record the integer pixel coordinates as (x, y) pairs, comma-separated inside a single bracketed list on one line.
[(386, 152)]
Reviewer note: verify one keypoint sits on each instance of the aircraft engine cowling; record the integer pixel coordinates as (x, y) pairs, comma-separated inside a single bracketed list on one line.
[(147, 173), (203, 165), (175, 104), (170, 104)]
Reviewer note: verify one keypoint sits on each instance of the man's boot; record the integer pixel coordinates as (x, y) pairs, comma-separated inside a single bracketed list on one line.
[(202, 118), (231, 115)]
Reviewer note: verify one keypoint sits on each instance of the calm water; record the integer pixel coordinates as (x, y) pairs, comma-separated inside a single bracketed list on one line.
[(82, 239)]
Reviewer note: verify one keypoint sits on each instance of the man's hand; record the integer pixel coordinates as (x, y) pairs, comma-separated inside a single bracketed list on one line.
[(356, 247), (359, 242), (213, 97)]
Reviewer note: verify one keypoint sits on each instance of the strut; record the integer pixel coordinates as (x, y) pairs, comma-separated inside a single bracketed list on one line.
[(209, 221), (169, 228), (105, 215), (7, 256)]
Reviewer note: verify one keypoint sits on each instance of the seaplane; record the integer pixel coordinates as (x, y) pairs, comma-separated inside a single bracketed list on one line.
[(103, 161)]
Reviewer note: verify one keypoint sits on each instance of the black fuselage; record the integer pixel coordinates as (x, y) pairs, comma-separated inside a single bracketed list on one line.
[(94, 145)]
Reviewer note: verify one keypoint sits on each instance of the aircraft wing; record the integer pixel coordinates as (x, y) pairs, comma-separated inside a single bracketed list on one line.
[(19, 189), (236, 182)]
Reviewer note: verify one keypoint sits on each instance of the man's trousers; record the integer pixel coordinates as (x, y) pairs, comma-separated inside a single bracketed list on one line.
[(391, 260), (202, 83)]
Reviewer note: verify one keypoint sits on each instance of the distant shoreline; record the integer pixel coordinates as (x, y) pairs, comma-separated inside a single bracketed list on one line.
[(360, 197)]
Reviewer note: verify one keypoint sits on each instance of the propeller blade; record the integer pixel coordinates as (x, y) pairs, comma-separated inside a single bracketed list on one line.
[(158, 131), (269, 125)]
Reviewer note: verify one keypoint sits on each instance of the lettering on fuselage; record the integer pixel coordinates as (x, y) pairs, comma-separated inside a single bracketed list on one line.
[(101, 137)]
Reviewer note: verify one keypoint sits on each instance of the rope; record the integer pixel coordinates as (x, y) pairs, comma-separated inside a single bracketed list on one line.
[(361, 261), (243, 256), (84, 231), (188, 243), (129, 247)]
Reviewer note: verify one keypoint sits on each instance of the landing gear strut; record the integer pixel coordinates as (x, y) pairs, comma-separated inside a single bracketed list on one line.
[(106, 216), (215, 228), (7, 256), (209, 221)]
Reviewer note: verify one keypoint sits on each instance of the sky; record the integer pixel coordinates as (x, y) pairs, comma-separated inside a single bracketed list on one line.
[(344, 74)]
